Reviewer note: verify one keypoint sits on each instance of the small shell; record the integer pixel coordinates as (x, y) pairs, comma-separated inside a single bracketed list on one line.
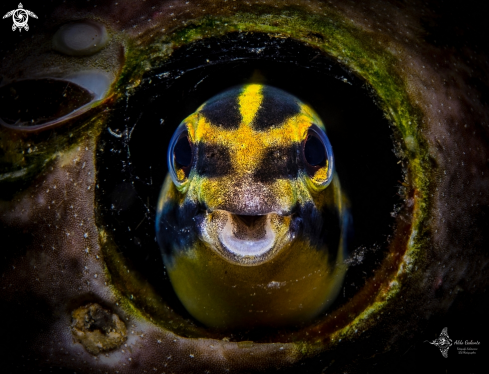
[(83, 38)]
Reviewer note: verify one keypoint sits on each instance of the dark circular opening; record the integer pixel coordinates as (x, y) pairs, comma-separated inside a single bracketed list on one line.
[(314, 151), (135, 162), (182, 152), (36, 101)]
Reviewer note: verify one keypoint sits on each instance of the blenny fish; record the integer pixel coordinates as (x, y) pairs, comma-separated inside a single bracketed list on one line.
[(251, 219)]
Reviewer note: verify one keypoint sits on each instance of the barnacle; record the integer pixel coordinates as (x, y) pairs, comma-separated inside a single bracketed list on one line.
[(77, 186)]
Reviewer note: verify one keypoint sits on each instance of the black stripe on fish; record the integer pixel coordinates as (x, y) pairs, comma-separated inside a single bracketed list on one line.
[(176, 229), (213, 160), (223, 110), (278, 163), (322, 228), (277, 106)]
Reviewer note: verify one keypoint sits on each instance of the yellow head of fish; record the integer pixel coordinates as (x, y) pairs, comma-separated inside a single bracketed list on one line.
[(251, 219)]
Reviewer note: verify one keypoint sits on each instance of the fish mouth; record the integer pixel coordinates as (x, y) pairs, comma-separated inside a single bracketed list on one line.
[(247, 235), (246, 240)]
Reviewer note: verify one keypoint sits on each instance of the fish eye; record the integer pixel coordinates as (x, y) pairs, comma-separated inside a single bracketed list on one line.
[(314, 151), (180, 155), (317, 154)]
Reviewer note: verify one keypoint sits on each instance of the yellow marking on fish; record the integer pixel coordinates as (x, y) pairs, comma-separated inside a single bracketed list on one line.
[(249, 102), (308, 111), (247, 146), (180, 174)]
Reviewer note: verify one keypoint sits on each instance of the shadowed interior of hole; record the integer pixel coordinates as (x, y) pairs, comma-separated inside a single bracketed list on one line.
[(131, 173), (21, 103)]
